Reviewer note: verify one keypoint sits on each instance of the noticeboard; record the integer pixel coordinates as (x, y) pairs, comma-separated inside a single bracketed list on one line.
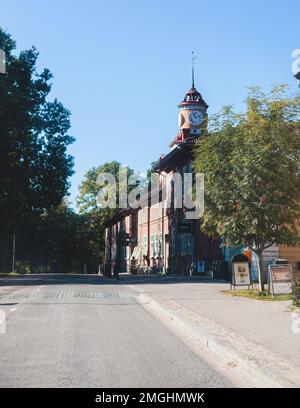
[(241, 274), (280, 279)]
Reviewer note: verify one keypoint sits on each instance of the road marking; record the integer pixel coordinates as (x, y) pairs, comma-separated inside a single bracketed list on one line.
[(13, 309), (80, 294)]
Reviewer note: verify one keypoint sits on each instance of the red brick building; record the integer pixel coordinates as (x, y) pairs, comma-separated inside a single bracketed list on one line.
[(158, 236)]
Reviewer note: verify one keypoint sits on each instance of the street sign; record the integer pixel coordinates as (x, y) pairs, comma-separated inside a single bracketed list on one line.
[(201, 266), (133, 240), (128, 241), (280, 279), (184, 228), (240, 275)]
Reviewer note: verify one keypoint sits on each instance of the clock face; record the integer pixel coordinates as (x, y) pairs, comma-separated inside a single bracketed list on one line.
[(195, 118)]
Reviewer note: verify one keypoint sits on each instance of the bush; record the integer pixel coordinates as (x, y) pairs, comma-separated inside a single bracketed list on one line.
[(296, 293)]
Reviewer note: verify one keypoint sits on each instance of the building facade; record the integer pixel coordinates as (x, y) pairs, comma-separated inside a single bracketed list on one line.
[(120, 241), (164, 238), (158, 236)]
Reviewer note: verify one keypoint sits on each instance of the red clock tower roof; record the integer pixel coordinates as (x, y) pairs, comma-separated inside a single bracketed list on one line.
[(193, 97)]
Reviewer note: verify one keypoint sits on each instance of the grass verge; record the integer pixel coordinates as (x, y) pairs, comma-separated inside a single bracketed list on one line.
[(256, 295), (9, 274)]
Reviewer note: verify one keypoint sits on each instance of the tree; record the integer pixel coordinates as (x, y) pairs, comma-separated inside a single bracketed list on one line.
[(34, 166), (60, 241), (87, 201), (251, 163), (151, 169)]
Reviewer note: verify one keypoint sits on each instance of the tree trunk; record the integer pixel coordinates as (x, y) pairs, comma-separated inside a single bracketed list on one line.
[(260, 271)]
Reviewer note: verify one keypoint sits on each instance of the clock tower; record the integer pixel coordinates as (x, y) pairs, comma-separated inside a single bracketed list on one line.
[(192, 118), (192, 113)]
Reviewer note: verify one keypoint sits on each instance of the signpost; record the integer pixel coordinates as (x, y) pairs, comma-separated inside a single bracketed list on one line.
[(201, 266), (280, 279), (240, 273)]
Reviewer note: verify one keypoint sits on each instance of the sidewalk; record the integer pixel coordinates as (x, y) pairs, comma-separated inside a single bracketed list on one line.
[(262, 327)]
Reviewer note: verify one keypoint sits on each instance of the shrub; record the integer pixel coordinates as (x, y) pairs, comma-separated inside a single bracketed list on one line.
[(296, 293)]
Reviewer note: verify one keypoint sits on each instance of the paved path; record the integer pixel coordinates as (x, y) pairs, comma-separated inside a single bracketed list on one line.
[(82, 331), (266, 323)]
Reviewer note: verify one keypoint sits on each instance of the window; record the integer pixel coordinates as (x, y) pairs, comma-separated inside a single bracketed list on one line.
[(190, 245), (184, 244), (161, 244), (156, 245), (145, 248), (152, 248)]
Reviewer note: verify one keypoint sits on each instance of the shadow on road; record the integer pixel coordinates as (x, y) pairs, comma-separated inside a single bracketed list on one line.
[(125, 279)]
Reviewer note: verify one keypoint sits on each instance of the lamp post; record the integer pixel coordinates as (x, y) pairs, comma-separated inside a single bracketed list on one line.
[(14, 253), (82, 233), (117, 266)]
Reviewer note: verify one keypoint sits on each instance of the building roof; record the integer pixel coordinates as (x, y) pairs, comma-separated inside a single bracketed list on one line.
[(184, 135), (118, 216), (193, 97), (179, 154)]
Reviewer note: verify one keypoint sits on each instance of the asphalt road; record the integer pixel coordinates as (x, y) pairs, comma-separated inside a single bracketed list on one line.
[(82, 331)]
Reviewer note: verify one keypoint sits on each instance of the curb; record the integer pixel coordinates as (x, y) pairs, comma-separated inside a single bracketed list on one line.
[(266, 369)]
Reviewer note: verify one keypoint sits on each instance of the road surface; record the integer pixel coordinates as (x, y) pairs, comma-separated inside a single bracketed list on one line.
[(85, 331)]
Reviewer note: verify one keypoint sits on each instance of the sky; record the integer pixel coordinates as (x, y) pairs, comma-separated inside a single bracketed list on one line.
[(122, 66)]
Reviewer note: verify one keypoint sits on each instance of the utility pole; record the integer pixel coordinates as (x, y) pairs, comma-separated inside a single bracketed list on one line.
[(14, 252), (117, 266)]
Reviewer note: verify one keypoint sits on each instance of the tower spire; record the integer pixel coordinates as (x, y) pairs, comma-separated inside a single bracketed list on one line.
[(194, 57)]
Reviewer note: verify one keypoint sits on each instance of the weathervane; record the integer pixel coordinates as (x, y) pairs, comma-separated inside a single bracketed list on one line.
[(194, 57)]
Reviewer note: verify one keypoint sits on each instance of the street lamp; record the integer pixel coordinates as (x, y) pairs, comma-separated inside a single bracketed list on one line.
[(81, 234), (14, 253)]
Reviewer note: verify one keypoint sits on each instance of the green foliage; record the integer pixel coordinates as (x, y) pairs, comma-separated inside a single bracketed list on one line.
[(87, 202), (34, 165), (251, 164), (89, 188), (296, 293), (256, 295), (60, 241), (151, 169)]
